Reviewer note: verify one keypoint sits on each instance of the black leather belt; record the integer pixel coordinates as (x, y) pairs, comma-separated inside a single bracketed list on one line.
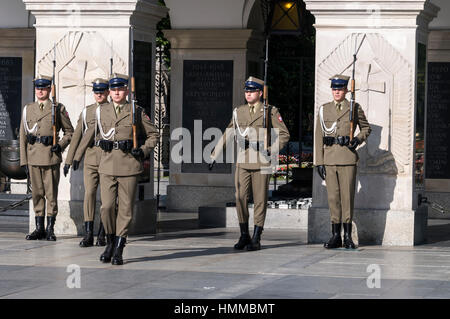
[(341, 140), (124, 145), (46, 140)]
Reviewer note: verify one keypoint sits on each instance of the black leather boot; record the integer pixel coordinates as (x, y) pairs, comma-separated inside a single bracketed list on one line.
[(118, 250), (335, 240), (50, 225), (109, 249), (88, 239), (245, 239), (39, 232), (255, 242), (101, 235), (348, 242)]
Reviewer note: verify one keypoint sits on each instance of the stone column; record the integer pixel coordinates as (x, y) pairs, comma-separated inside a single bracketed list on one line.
[(86, 35), (388, 33), (226, 57)]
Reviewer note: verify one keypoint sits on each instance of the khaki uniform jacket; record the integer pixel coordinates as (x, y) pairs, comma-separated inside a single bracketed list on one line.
[(38, 154), (81, 143), (117, 162), (254, 121), (337, 154)]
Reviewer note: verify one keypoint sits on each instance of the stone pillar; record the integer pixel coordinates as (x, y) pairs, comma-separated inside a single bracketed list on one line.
[(225, 57), (386, 210), (86, 35)]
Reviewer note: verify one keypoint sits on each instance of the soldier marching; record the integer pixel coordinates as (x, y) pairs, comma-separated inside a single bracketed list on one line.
[(82, 145), (120, 163), (250, 176)]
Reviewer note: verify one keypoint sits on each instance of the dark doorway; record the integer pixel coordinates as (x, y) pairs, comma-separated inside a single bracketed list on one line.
[(291, 74)]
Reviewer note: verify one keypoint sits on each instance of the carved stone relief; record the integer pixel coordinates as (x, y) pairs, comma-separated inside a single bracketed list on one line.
[(80, 58), (384, 89)]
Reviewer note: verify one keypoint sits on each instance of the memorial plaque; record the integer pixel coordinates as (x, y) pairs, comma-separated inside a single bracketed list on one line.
[(10, 97), (207, 96), (437, 160), (142, 68)]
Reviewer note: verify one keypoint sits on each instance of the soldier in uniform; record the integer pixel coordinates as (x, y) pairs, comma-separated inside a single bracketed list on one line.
[(40, 158), (82, 144), (336, 158), (120, 164), (247, 122)]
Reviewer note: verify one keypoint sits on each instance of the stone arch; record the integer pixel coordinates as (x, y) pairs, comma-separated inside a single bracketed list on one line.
[(252, 15)]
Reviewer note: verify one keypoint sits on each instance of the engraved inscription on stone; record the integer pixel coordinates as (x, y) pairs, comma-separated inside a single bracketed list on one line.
[(437, 158), (10, 97), (207, 96), (143, 72)]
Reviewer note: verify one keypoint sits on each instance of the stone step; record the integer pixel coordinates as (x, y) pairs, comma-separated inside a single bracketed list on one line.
[(276, 218), (14, 216), (13, 197)]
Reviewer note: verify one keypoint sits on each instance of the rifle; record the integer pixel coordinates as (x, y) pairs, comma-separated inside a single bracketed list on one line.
[(352, 90), (133, 91), (111, 62), (54, 104), (352, 100), (266, 117)]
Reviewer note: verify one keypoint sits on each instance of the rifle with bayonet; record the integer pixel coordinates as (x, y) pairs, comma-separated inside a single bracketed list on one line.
[(352, 100), (54, 103), (353, 88), (133, 91), (266, 109), (111, 61)]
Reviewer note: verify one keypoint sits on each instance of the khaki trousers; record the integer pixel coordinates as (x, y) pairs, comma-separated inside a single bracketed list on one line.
[(91, 180), (251, 180), (121, 189), (341, 192), (44, 184)]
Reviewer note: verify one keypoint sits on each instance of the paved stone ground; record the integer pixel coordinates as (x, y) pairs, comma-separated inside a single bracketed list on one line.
[(185, 262)]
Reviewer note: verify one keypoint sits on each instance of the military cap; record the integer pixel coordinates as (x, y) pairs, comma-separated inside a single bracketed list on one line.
[(253, 84), (118, 80), (339, 81), (99, 85), (42, 81)]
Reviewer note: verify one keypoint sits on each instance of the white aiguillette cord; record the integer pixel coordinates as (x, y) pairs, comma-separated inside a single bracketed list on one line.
[(243, 134), (25, 124), (84, 120), (325, 129), (110, 133)]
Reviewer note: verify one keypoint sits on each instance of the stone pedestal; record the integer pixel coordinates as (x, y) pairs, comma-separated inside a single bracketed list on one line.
[(86, 35), (228, 56), (387, 35)]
